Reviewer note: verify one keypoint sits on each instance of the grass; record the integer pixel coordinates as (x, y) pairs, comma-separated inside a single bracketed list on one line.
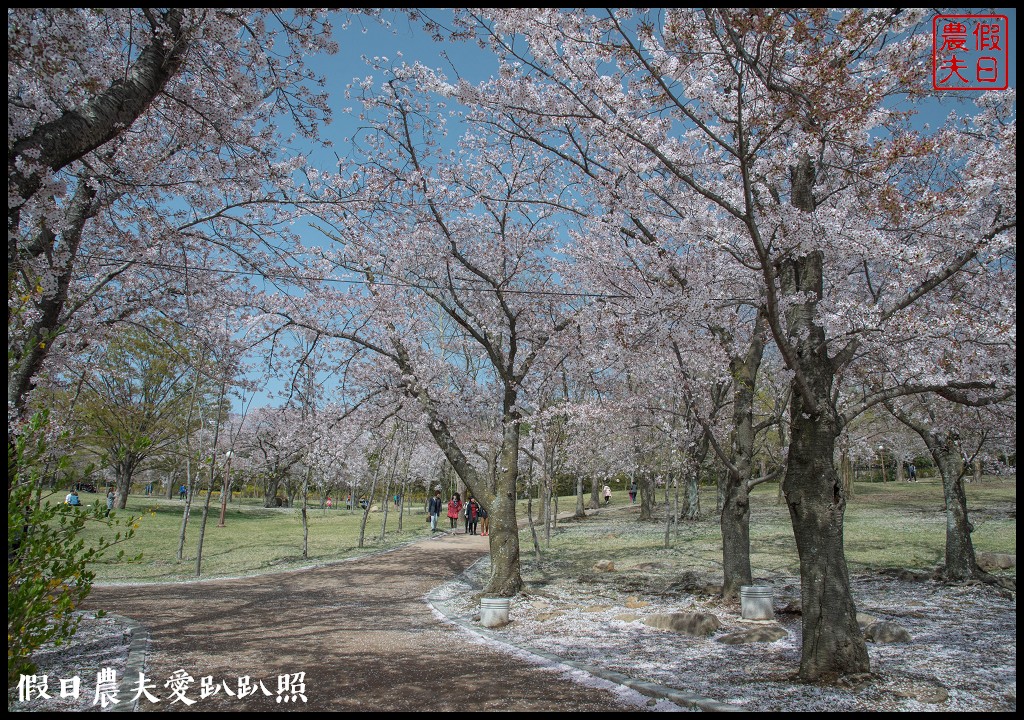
[(887, 526), (254, 539)]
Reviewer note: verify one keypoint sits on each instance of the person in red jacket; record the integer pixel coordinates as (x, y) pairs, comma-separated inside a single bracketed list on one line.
[(454, 508)]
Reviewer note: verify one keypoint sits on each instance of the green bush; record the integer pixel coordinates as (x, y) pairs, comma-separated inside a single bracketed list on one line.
[(46, 559)]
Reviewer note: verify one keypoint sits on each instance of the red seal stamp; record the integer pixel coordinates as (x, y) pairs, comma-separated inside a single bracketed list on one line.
[(970, 52)]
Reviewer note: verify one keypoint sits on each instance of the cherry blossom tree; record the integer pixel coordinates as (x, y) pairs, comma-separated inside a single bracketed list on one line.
[(949, 432), (456, 293), (142, 146), (773, 139)]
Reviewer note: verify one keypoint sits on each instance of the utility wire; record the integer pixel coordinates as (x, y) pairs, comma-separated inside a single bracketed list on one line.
[(352, 281)]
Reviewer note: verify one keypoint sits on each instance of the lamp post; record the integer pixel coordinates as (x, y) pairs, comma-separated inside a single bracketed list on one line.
[(881, 458), (226, 489)]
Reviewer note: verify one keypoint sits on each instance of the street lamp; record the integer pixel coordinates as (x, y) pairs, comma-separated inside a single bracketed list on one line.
[(881, 460), (226, 489)]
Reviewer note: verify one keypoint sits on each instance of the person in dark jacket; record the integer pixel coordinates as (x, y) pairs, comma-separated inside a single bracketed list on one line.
[(472, 515), (434, 510)]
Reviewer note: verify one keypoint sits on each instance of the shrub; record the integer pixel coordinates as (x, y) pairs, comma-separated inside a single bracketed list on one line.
[(46, 557)]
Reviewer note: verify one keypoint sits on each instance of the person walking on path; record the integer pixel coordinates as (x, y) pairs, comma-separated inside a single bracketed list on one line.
[(454, 507), (472, 514), (434, 510), (484, 524), (607, 494), (111, 496), (632, 492)]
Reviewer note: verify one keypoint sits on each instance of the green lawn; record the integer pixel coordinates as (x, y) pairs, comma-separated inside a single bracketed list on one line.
[(890, 525), (886, 526), (253, 540)]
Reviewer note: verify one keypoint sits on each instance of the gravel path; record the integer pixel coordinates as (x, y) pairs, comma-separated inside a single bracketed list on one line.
[(360, 631)]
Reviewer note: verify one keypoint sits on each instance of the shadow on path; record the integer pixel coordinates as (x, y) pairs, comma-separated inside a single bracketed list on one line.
[(360, 631)]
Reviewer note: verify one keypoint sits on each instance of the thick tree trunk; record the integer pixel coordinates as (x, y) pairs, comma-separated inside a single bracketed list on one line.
[(832, 641), (735, 520), (503, 535), (595, 493), (270, 497), (735, 524), (961, 563), (580, 509), (124, 470)]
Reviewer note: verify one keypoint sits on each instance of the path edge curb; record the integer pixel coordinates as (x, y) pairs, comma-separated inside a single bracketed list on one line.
[(138, 651)]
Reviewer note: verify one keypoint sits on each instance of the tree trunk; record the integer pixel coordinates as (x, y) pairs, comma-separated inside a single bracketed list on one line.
[(845, 474), (529, 504), (675, 504), (832, 641), (735, 519), (546, 504), (961, 563), (595, 493), (580, 511), (369, 504), (503, 534), (695, 455), (977, 469), (125, 471), (691, 495), (305, 517), (206, 510), (554, 512), (273, 482), (669, 517), (647, 499), (190, 484)]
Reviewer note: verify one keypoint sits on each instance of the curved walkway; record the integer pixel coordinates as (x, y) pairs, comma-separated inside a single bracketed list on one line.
[(359, 630)]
